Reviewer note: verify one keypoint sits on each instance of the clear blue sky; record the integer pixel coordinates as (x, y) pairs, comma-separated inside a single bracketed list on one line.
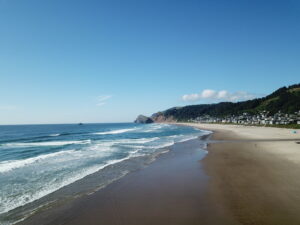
[(64, 61)]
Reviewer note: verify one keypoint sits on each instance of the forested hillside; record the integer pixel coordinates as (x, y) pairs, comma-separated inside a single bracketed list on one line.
[(285, 99)]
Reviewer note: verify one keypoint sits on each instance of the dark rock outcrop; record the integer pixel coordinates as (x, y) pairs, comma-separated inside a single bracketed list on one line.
[(143, 119)]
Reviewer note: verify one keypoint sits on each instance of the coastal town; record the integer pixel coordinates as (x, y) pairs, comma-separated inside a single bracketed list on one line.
[(262, 118)]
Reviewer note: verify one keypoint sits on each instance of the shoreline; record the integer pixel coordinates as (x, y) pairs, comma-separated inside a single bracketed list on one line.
[(247, 177), (171, 190), (51, 176)]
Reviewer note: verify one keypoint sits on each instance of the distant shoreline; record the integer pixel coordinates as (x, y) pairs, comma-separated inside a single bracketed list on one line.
[(287, 126)]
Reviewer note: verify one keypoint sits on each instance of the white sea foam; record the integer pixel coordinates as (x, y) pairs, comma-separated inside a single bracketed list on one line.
[(103, 148), (108, 145), (182, 137), (154, 128), (45, 143), (164, 145), (9, 165), (115, 131), (9, 204), (187, 138), (136, 141), (54, 135), (50, 172)]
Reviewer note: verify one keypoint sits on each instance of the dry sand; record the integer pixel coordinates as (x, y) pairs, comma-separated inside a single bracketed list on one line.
[(255, 180)]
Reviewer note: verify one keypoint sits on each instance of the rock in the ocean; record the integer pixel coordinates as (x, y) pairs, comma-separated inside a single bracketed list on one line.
[(143, 119)]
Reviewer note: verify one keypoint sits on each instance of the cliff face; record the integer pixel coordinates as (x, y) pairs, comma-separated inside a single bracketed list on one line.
[(155, 118), (143, 119), (160, 118)]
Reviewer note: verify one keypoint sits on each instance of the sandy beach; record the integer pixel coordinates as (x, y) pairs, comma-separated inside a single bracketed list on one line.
[(249, 176), (171, 190), (254, 173)]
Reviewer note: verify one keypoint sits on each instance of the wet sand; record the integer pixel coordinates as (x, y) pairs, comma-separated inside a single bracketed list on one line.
[(171, 190)]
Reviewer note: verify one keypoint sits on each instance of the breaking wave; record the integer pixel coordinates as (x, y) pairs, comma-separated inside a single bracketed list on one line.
[(46, 143), (39, 165), (115, 131)]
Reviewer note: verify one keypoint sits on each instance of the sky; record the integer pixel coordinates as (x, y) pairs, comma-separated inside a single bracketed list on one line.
[(70, 61)]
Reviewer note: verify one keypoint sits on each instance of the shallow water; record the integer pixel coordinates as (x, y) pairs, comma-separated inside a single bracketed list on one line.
[(38, 160)]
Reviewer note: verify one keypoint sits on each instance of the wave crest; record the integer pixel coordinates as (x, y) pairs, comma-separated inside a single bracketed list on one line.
[(45, 143), (115, 131), (9, 165)]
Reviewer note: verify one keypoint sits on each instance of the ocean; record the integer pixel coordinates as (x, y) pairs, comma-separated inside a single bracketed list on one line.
[(44, 165)]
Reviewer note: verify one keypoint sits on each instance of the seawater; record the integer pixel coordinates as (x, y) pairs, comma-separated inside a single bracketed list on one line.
[(38, 163)]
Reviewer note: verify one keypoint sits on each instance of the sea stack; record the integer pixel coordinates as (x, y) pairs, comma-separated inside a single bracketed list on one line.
[(143, 119)]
